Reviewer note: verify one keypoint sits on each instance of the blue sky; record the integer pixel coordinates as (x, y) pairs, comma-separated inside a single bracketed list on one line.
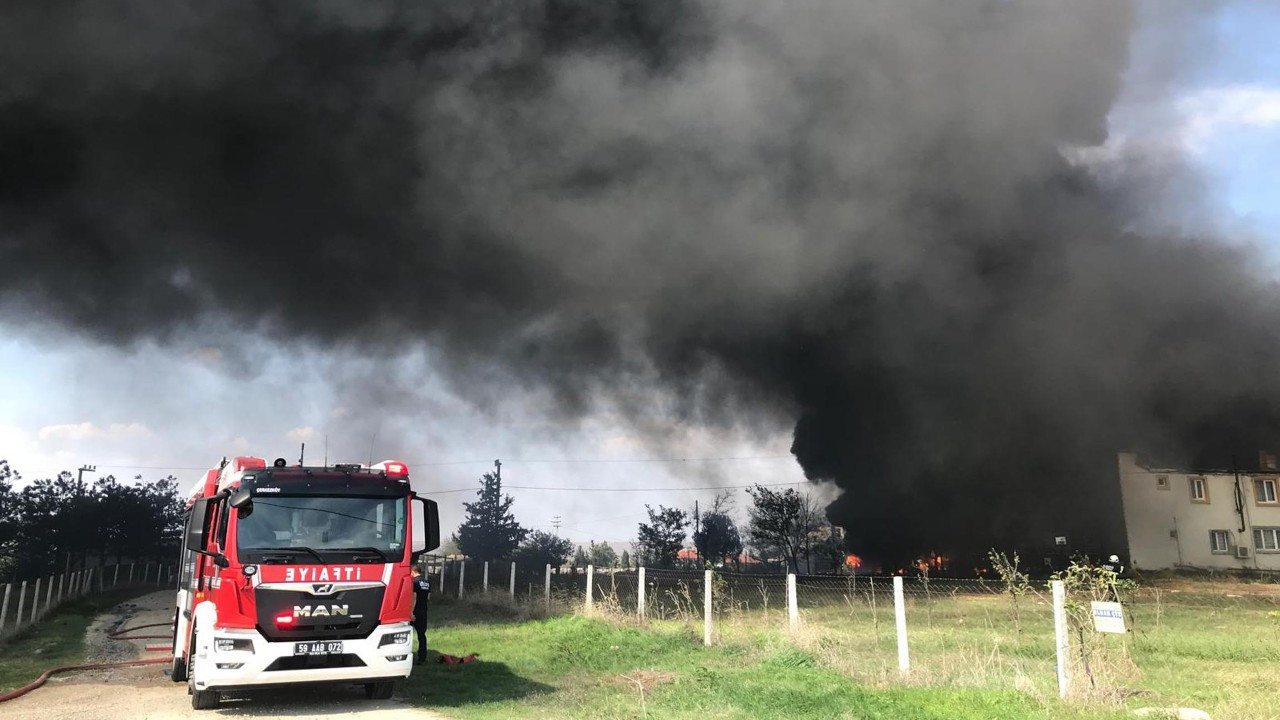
[(64, 402), (1243, 158)]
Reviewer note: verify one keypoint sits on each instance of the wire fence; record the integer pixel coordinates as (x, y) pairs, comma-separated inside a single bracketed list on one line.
[(27, 602), (966, 632)]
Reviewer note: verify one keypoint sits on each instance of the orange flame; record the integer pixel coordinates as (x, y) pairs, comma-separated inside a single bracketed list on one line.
[(853, 561)]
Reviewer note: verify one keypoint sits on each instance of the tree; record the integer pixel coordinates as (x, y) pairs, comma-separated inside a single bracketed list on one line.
[(490, 531), (540, 549), (580, 559), (55, 521), (663, 536), (625, 562), (602, 555), (717, 538), (782, 523)]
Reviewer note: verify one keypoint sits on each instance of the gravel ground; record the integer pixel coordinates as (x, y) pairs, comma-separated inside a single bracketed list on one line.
[(145, 693)]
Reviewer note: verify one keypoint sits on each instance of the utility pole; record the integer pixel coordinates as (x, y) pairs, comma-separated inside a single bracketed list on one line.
[(79, 481), (497, 466), (555, 525), (696, 519)]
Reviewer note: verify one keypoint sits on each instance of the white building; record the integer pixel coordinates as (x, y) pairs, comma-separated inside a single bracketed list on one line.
[(1213, 519)]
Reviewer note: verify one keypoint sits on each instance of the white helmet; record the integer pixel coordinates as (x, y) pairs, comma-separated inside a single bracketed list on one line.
[(1114, 558)]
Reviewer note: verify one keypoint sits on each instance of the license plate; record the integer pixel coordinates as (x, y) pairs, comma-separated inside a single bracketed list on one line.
[(318, 648)]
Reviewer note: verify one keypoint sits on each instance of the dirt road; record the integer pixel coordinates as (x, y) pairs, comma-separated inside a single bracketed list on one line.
[(145, 693)]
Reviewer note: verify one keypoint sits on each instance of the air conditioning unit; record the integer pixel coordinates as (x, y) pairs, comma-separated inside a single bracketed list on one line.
[(1242, 552)]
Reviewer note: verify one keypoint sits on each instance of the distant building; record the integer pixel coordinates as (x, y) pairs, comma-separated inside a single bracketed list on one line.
[(1219, 519)]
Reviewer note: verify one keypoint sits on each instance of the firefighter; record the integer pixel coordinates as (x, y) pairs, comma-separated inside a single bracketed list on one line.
[(421, 595)]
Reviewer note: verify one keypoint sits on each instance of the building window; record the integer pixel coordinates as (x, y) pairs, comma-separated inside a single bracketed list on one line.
[(1162, 482), (1219, 542), (1264, 491), (1266, 539), (1199, 490)]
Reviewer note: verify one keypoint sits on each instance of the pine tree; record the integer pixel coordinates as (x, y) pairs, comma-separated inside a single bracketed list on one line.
[(490, 531), (625, 562)]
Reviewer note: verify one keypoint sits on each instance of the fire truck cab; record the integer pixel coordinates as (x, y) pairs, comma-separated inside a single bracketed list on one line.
[(296, 574)]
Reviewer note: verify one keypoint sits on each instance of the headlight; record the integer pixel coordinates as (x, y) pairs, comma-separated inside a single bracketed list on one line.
[(398, 638), (233, 644)]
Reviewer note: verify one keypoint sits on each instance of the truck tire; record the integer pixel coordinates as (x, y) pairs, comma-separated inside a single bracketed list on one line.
[(378, 690), (204, 699)]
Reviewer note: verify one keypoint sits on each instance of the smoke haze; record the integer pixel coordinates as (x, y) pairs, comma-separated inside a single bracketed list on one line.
[(869, 219)]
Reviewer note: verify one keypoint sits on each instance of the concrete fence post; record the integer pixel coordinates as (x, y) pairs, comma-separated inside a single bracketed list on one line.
[(35, 601), (640, 594), (706, 608), (462, 574), (546, 588), (513, 580), (115, 577), (130, 580), (48, 597), (61, 578), (22, 597), (88, 581), (443, 564), (71, 583), (793, 607), (1060, 636), (4, 607), (485, 583), (591, 589), (900, 620)]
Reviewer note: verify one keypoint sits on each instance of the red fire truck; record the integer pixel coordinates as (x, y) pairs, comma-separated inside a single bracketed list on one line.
[(298, 574)]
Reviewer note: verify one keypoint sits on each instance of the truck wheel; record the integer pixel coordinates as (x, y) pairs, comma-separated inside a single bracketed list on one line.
[(204, 699), (378, 690)]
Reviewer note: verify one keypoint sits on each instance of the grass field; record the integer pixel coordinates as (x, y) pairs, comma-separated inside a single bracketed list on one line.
[(56, 640), (1198, 649)]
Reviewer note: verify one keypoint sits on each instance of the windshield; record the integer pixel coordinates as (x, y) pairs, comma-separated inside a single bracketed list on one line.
[(296, 529)]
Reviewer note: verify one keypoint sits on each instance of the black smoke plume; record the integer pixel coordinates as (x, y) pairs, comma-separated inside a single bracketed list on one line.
[(857, 215)]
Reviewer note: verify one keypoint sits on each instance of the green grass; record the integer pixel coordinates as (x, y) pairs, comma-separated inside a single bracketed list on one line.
[(57, 640), (573, 667), (968, 661)]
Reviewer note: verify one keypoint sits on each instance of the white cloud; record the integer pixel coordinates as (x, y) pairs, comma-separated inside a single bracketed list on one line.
[(1196, 121), (302, 434), (1210, 113), (78, 432)]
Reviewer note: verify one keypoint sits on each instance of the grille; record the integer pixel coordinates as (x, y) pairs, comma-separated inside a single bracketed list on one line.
[(315, 662)]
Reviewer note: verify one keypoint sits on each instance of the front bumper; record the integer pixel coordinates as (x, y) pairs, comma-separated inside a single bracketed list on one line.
[(273, 663)]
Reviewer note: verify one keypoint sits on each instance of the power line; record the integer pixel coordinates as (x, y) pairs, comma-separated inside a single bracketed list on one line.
[(598, 461), (564, 461), (629, 489)]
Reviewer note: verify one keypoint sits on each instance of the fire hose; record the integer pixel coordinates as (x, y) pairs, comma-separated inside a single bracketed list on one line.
[(117, 635)]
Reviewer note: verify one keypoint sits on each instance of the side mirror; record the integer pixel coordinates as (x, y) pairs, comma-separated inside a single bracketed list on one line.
[(241, 498), (197, 525), (426, 526)]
